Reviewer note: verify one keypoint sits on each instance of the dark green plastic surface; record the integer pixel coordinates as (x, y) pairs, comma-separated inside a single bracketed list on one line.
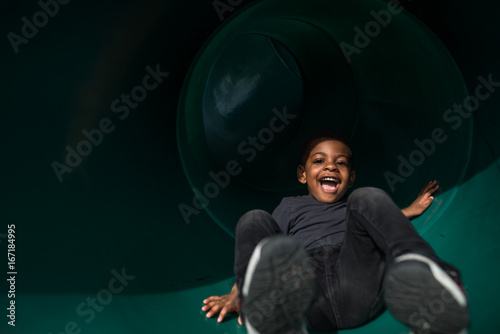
[(118, 211)]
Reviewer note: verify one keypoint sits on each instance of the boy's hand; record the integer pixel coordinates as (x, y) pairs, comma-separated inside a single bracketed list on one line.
[(224, 304), (423, 201)]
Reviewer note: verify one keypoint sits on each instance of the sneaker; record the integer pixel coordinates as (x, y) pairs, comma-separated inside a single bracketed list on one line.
[(426, 297), (279, 286)]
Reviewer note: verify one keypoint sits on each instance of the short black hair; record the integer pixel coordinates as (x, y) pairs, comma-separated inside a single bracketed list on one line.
[(325, 134)]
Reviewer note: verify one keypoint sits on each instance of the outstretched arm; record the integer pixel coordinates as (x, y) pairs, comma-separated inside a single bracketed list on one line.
[(423, 201), (224, 304)]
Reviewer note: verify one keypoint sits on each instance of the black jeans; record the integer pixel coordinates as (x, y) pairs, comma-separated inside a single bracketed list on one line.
[(350, 275)]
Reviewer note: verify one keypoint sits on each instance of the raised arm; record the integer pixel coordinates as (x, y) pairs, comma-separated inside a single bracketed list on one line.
[(423, 201), (223, 305)]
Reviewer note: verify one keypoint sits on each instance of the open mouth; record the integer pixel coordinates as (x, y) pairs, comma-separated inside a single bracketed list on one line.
[(329, 184)]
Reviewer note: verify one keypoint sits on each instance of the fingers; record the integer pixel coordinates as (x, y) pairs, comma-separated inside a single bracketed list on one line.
[(212, 310), (218, 304), (209, 299), (432, 185), (432, 189), (240, 321), (435, 187), (209, 304), (206, 307), (429, 188), (212, 306), (222, 314)]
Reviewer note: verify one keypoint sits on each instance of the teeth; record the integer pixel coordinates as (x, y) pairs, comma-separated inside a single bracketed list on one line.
[(329, 179)]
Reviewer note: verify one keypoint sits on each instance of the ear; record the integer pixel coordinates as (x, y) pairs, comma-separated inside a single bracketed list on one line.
[(301, 174), (352, 176)]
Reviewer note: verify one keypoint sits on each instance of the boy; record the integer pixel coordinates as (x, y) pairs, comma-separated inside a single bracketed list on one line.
[(346, 259)]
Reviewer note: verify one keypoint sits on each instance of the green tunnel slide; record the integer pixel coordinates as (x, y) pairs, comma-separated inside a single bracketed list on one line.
[(135, 134)]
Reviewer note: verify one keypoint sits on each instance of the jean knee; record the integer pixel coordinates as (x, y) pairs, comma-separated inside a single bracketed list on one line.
[(251, 219), (368, 196)]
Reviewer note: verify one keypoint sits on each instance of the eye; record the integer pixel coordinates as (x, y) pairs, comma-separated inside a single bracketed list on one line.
[(319, 161), (342, 163)]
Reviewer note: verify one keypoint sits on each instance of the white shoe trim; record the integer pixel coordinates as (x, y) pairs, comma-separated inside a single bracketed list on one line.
[(440, 275), (252, 264), (250, 329), (464, 331)]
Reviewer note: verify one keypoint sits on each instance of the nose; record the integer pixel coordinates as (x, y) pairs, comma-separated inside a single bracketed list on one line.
[(330, 166)]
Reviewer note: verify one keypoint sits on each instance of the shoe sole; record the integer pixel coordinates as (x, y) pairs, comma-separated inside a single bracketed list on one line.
[(279, 286), (422, 296)]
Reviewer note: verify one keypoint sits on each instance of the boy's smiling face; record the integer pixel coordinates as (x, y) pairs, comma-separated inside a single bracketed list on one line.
[(327, 171)]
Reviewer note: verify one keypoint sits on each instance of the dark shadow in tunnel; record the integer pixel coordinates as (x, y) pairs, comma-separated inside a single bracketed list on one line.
[(468, 30)]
